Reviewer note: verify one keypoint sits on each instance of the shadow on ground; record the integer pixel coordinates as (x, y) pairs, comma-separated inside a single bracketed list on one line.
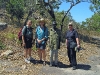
[(83, 67), (79, 66), (62, 65)]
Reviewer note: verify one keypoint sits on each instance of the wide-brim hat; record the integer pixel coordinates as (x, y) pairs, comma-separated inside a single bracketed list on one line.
[(42, 20)]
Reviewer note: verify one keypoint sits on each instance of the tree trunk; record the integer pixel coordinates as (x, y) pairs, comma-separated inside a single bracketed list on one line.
[(30, 13)]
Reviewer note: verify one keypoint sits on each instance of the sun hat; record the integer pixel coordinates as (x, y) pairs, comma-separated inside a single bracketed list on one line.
[(42, 20), (70, 23)]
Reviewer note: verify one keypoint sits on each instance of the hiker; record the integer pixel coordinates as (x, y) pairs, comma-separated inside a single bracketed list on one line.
[(55, 35), (41, 37), (72, 41), (27, 39)]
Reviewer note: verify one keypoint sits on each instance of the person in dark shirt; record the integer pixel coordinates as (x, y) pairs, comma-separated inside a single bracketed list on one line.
[(27, 38), (72, 41)]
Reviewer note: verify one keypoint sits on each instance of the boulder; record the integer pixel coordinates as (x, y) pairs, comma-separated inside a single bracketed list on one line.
[(3, 26), (7, 53)]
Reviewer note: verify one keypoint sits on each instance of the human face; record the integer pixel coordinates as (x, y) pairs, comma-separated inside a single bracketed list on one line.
[(70, 27), (42, 23), (29, 23)]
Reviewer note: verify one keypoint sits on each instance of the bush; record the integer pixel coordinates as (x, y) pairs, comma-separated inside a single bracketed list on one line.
[(10, 36), (2, 46)]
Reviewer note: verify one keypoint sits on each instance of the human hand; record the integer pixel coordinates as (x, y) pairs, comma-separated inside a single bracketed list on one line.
[(23, 44), (39, 41), (78, 46)]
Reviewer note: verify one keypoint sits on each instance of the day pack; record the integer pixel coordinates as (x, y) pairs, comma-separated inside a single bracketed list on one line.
[(20, 34)]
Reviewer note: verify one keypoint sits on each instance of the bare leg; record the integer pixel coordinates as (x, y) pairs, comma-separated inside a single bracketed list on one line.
[(26, 53), (40, 54), (29, 52), (44, 54)]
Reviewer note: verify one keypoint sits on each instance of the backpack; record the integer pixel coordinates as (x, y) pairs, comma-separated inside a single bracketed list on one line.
[(20, 34)]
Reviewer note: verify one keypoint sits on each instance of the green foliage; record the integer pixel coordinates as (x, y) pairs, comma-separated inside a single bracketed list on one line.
[(95, 6), (16, 9), (20, 8), (95, 22), (34, 48), (2, 46), (10, 36), (92, 23)]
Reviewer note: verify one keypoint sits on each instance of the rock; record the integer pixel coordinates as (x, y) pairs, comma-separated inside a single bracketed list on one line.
[(7, 53), (12, 69), (5, 63), (24, 67), (3, 26)]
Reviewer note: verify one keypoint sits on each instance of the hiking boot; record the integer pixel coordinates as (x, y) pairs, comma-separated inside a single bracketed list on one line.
[(27, 61), (70, 65), (56, 65), (74, 67)]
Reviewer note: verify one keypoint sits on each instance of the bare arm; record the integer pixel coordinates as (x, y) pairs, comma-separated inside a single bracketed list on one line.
[(23, 39), (77, 41), (66, 42)]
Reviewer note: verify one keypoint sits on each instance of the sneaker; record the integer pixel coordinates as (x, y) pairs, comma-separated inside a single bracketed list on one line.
[(74, 67), (27, 61), (44, 63), (31, 59)]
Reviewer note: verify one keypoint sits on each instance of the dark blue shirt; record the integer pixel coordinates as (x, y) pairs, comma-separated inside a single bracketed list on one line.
[(27, 32), (71, 35)]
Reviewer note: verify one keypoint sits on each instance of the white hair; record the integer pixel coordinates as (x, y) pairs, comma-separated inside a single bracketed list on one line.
[(70, 23)]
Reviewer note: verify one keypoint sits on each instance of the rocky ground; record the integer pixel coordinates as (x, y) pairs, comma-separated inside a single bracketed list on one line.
[(88, 59), (13, 63)]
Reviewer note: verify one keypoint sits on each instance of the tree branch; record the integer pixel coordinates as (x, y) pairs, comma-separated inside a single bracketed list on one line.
[(50, 11), (30, 13), (72, 5)]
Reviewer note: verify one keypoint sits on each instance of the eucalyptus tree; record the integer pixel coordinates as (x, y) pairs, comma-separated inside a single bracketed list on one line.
[(16, 9), (95, 6), (93, 23), (51, 5), (46, 8)]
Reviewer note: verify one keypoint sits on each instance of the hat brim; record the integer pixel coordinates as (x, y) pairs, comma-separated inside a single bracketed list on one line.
[(42, 21)]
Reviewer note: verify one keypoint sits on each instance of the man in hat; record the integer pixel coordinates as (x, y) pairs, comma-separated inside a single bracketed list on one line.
[(41, 37), (55, 35)]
